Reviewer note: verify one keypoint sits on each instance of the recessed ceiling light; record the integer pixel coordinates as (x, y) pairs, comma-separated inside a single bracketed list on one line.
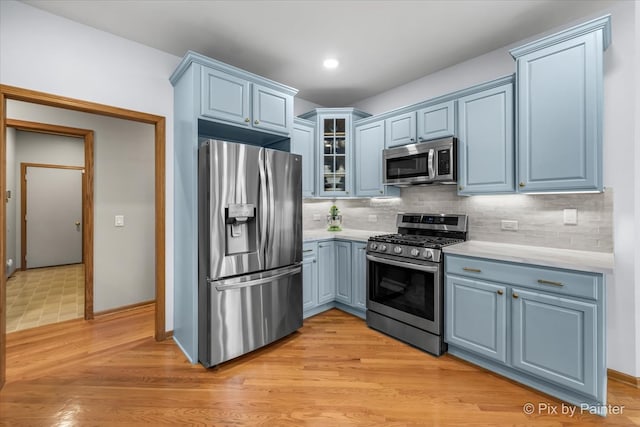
[(330, 63)]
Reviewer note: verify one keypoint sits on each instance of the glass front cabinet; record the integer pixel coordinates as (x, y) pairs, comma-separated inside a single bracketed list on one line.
[(335, 150)]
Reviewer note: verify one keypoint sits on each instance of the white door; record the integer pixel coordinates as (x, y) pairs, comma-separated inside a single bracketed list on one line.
[(54, 215)]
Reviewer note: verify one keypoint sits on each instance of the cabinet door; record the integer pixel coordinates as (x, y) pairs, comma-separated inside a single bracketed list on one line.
[(272, 110), (560, 116), (225, 97), (400, 130), (436, 121), (303, 143), (343, 272), (476, 317), (335, 156), (359, 273), (309, 282), (485, 142), (369, 143), (326, 272), (554, 337)]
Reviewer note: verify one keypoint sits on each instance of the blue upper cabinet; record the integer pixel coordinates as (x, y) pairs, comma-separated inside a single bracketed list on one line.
[(486, 140), (231, 96), (335, 150), (369, 143), (560, 100), (272, 110), (225, 97), (400, 129), (436, 121), (303, 143)]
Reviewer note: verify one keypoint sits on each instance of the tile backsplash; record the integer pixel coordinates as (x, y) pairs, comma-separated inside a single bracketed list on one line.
[(540, 217)]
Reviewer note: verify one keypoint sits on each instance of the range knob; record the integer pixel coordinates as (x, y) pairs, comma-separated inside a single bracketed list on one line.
[(374, 246), (397, 250), (428, 254), (383, 248), (415, 252)]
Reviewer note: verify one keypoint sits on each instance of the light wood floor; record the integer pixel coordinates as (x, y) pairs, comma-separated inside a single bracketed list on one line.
[(333, 372)]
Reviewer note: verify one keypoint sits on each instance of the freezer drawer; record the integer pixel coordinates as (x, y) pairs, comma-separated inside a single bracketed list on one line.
[(248, 312)]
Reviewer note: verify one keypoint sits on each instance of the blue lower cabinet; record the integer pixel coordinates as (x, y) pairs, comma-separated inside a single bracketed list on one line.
[(343, 272), (334, 275), (326, 272), (359, 273), (555, 338), (476, 317), (309, 276), (541, 326)]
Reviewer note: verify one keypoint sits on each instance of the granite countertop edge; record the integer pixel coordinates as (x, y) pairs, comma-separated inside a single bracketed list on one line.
[(589, 261), (357, 235)]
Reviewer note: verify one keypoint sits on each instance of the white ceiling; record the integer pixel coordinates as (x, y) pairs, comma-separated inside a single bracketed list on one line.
[(380, 44)]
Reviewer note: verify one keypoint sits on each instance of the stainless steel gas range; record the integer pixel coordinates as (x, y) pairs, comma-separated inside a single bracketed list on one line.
[(405, 286)]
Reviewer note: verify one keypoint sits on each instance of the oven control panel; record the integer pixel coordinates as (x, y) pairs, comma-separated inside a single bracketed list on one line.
[(406, 252)]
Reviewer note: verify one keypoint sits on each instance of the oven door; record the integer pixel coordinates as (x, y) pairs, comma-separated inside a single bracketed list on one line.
[(406, 291)]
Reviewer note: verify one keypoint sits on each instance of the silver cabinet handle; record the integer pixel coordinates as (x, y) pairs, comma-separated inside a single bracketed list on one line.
[(549, 282), (247, 120), (473, 270), (256, 122)]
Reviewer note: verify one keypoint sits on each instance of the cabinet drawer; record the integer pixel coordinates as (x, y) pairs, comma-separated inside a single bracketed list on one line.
[(565, 282), (309, 249)]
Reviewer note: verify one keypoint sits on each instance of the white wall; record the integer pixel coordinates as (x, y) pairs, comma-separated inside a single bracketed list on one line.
[(124, 257), (301, 106), (44, 52), (636, 114), (621, 71), (11, 203), (31, 147)]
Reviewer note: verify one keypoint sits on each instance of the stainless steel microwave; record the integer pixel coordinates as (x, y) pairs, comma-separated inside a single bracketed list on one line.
[(426, 162)]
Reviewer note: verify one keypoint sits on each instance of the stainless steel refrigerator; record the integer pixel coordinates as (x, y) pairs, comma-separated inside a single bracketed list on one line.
[(250, 248)]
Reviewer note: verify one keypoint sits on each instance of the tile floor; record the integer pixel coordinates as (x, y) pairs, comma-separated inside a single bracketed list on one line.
[(45, 295)]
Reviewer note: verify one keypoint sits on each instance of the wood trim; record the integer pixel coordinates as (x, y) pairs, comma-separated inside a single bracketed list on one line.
[(35, 97), (124, 308), (42, 98), (47, 128), (623, 378), (88, 226), (3, 241), (160, 179), (23, 205)]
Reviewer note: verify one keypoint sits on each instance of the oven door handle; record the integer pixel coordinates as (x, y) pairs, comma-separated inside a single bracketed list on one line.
[(412, 266)]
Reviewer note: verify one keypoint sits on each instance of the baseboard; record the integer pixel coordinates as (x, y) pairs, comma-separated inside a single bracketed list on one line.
[(123, 308), (623, 378), (168, 335)]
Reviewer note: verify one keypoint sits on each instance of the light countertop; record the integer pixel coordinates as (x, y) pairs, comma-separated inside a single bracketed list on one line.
[(359, 235), (595, 262)]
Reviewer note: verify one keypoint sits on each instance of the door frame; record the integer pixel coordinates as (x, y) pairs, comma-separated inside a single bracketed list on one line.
[(24, 206), (159, 123)]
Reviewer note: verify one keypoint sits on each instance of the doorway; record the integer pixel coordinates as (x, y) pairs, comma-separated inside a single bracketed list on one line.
[(51, 215), (19, 94)]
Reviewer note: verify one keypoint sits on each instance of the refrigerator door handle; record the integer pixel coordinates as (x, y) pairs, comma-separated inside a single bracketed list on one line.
[(255, 279), (264, 203)]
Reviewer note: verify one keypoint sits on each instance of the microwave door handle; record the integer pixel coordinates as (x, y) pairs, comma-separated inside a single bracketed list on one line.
[(432, 173)]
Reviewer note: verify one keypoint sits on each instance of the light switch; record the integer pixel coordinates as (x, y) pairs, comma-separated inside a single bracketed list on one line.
[(119, 221), (571, 216)]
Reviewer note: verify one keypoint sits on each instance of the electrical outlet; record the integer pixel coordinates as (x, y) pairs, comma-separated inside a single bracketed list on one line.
[(509, 225), (119, 221), (373, 218), (570, 216), (317, 217)]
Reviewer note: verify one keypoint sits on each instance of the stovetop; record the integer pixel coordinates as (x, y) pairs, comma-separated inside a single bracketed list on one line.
[(435, 242), (420, 237)]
